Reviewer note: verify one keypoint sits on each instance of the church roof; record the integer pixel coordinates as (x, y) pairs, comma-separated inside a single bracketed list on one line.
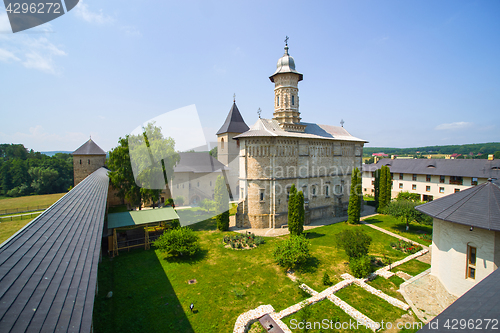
[(198, 163), (234, 122), (89, 148), (478, 206), (270, 127)]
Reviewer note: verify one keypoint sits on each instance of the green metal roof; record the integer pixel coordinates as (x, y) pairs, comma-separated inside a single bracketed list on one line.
[(137, 217)]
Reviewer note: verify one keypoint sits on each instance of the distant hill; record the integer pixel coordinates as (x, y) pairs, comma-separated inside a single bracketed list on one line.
[(52, 153), (475, 149)]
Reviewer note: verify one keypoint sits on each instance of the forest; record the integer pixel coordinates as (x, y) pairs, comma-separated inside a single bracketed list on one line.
[(26, 172), (475, 150)]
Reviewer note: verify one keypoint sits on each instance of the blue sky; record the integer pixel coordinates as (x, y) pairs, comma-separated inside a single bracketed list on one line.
[(400, 73)]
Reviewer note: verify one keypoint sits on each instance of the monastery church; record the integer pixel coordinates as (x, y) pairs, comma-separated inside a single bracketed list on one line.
[(267, 158)]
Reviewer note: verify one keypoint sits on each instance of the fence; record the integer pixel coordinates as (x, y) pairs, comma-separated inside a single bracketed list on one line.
[(19, 217), (22, 209)]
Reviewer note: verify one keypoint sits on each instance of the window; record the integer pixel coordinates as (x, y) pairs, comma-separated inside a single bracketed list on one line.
[(428, 178), (287, 194), (314, 190), (293, 100), (392, 175), (261, 195), (414, 178), (414, 186), (198, 184), (427, 188), (456, 180), (177, 185), (401, 176), (373, 182), (457, 190), (373, 174), (400, 185), (441, 190), (80, 161), (89, 162), (210, 183), (471, 262), (278, 101), (441, 179), (222, 143), (338, 189), (327, 191), (473, 182)]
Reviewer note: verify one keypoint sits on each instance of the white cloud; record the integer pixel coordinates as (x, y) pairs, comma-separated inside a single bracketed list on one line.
[(453, 126), (83, 12), (4, 23), (6, 56), (131, 31)]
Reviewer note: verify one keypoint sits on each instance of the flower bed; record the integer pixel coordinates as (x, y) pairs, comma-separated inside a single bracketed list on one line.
[(406, 247), (243, 241), (426, 237)]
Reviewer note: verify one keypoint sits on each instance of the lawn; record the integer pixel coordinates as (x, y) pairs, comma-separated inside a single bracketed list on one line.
[(396, 226), (30, 201), (151, 292), (8, 228), (412, 267)]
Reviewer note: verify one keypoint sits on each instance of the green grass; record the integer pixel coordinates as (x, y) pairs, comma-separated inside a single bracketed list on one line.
[(388, 286), (151, 293), (318, 313), (412, 267), (396, 226), (29, 201), (8, 228), (377, 309)]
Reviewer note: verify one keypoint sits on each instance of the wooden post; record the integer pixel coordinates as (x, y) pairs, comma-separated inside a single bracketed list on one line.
[(115, 243)]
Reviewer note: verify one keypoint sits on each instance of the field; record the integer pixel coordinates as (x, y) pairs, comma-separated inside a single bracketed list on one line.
[(7, 227), (151, 292)]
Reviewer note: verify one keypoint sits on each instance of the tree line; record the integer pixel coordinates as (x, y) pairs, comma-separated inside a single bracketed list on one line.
[(26, 172), (477, 148)]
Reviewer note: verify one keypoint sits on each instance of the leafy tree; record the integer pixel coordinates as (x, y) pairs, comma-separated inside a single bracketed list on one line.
[(179, 200), (405, 209), (292, 252), (496, 155), (178, 242), (207, 204), (360, 267), (213, 152), (355, 243), (43, 179), (221, 204), (355, 196)]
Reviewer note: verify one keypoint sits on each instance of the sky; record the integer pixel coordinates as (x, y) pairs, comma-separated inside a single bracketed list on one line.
[(399, 73)]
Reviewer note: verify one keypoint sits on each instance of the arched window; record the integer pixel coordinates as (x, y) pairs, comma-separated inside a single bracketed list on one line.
[(293, 100), (222, 143), (80, 161), (278, 101), (89, 161)]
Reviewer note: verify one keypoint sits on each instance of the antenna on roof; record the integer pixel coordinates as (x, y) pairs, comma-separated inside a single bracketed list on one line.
[(259, 111), (342, 122)]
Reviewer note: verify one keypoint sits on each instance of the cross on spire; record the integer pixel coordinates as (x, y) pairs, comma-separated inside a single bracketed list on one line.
[(286, 41), (259, 111), (234, 98), (342, 122)]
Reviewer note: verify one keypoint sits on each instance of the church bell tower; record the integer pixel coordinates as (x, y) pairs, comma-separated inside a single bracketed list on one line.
[(286, 93)]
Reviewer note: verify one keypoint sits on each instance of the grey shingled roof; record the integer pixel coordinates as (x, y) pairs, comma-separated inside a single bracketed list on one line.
[(234, 122), (198, 163), (89, 148), (48, 270), (478, 206), (462, 168), (270, 127), (480, 302)]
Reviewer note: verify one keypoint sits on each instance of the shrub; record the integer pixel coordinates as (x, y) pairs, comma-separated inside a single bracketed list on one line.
[(292, 252), (415, 197), (326, 279), (295, 211), (354, 242), (221, 204), (360, 267), (178, 242), (179, 200)]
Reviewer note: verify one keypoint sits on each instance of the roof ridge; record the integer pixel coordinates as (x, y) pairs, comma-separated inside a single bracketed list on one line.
[(466, 199)]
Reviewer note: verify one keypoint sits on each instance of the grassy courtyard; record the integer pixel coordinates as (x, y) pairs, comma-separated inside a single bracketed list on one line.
[(151, 293), (392, 224)]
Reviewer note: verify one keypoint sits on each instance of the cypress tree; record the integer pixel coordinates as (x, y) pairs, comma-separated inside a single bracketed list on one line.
[(354, 208), (293, 211), (221, 204), (388, 186), (382, 195), (299, 201), (377, 187)]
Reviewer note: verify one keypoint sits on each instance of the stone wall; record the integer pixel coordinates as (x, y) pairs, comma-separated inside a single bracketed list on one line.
[(84, 165)]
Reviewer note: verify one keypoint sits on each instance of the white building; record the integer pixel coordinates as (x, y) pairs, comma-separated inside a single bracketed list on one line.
[(466, 236), (431, 178)]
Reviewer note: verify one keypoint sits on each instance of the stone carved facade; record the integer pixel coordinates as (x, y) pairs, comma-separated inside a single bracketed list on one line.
[(276, 153)]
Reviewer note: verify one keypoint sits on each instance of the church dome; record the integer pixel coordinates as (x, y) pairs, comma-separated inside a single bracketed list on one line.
[(286, 64)]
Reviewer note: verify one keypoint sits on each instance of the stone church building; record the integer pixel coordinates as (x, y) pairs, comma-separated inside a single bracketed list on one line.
[(276, 153)]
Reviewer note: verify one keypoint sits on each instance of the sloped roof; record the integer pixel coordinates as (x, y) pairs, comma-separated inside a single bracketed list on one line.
[(462, 168), (198, 163), (478, 206), (234, 122), (89, 148), (138, 217), (48, 270), (270, 127)]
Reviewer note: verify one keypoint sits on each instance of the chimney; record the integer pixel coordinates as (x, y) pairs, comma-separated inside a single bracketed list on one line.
[(490, 157)]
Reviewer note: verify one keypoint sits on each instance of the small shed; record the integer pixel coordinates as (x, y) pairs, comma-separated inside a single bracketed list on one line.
[(137, 228)]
